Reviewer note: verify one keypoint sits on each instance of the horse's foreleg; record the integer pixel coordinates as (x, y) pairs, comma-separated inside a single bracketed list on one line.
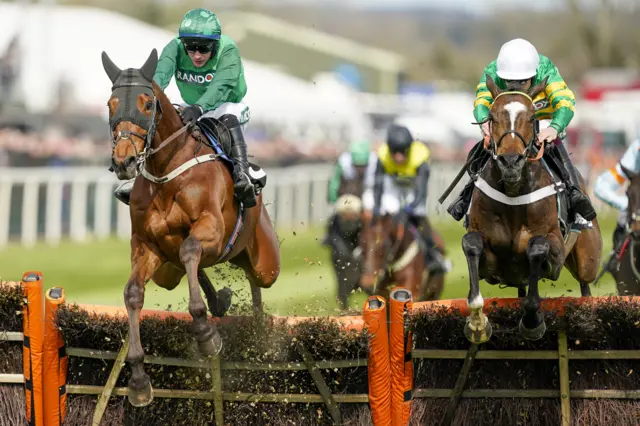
[(477, 329), (209, 341), (433, 287), (219, 301), (144, 263), (532, 325)]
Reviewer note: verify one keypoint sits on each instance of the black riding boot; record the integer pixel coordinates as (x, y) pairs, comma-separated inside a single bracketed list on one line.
[(460, 206), (580, 203), (244, 189), (433, 258)]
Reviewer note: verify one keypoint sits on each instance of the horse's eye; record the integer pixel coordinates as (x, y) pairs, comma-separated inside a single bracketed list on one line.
[(149, 105)]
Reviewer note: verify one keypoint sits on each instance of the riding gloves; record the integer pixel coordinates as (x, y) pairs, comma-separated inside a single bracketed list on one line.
[(191, 113), (547, 135)]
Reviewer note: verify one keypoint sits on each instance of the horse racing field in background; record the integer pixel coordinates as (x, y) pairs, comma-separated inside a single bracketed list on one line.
[(95, 273)]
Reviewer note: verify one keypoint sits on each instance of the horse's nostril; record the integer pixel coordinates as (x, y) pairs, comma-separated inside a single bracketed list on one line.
[(511, 161)]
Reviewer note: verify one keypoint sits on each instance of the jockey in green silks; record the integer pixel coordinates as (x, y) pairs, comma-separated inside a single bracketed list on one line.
[(210, 76), (349, 170)]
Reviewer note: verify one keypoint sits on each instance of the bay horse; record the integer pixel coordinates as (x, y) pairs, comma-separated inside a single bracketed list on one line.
[(625, 265), (514, 233), (393, 255), (183, 214)]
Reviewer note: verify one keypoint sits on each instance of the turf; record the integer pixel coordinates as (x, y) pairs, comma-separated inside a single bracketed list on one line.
[(95, 273)]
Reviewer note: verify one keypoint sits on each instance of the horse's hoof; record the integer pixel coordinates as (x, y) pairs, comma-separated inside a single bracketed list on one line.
[(532, 333), (140, 398), (212, 346), (224, 302), (478, 336)]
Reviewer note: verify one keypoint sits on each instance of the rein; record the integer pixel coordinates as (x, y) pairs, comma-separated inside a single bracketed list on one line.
[(127, 87), (147, 152)]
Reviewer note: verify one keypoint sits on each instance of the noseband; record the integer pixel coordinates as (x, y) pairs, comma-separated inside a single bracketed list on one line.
[(491, 145)]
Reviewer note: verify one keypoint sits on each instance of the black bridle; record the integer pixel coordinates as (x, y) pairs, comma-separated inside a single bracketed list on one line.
[(130, 84), (529, 145)]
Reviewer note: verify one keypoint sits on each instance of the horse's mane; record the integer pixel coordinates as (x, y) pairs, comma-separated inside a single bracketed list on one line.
[(167, 107)]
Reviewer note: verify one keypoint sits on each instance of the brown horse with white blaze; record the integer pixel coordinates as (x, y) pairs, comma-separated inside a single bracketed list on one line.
[(184, 221), (514, 235)]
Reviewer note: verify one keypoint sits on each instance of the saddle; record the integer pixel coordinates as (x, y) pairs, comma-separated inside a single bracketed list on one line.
[(207, 127)]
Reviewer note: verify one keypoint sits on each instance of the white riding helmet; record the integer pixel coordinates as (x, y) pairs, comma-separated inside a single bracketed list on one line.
[(518, 60)]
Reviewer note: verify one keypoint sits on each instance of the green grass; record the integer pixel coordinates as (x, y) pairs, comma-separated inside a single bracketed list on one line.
[(96, 273)]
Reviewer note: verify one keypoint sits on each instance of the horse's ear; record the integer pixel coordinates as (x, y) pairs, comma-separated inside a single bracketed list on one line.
[(492, 86), (110, 68), (538, 88), (149, 67)]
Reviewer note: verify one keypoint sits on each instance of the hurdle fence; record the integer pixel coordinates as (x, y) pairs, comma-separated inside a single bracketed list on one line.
[(390, 363)]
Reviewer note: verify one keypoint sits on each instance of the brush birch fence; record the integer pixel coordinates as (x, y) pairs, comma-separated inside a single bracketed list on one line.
[(389, 362), (562, 355), (217, 395)]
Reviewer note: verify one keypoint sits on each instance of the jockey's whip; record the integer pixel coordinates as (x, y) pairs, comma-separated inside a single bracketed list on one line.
[(461, 173), (455, 181)]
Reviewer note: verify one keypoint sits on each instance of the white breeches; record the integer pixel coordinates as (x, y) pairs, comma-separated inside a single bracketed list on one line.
[(240, 110), (394, 198)]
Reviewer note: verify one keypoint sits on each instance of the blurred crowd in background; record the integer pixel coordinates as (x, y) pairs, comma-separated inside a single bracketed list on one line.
[(350, 81)]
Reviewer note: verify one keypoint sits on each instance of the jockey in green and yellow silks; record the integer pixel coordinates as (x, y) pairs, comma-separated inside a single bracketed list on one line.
[(402, 172), (518, 67)]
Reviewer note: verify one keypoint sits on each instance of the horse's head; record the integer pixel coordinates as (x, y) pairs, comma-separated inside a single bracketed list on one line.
[(373, 240), (381, 240), (133, 113), (633, 208), (513, 127)]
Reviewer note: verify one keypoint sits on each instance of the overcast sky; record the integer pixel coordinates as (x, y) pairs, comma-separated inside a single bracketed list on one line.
[(477, 6)]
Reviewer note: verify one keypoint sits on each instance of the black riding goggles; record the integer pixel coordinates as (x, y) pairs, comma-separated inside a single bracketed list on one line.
[(517, 83), (202, 47)]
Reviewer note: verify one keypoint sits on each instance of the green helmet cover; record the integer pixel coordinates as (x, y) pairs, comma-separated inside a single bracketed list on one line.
[(360, 152), (200, 23)]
